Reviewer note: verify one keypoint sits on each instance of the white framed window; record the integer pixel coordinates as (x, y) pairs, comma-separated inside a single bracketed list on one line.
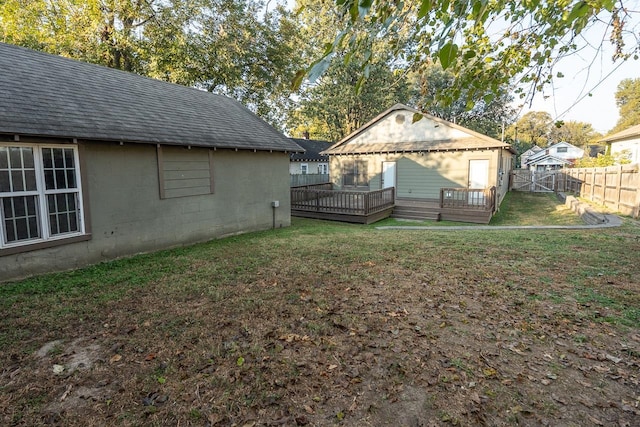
[(323, 168), (40, 194), (561, 149), (304, 168)]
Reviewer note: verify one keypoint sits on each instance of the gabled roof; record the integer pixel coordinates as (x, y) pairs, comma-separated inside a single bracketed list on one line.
[(547, 159), (633, 131), (312, 148), (50, 96), (533, 150), (543, 152), (465, 139)]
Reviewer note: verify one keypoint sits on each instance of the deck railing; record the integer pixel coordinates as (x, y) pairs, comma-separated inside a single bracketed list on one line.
[(342, 202), (311, 179), (468, 198)]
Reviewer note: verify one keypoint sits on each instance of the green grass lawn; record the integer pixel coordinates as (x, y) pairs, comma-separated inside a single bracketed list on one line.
[(326, 323)]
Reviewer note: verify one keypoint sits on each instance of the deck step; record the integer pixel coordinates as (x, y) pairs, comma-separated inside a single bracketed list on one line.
[(415, 213)]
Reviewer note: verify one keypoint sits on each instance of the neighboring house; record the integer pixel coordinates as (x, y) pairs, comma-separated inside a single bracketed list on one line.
[(628, 141), (419, 158), (555, 156), (97, 163), (524, 157), (311, 161)]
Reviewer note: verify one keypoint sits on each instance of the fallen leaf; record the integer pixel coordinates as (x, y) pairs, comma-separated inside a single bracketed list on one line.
[(613, 358), (115, 358), (150, 357), (595, 421), (58, 369)]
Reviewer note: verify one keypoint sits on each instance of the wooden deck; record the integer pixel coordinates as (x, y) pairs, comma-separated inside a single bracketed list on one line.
[(366, 207)]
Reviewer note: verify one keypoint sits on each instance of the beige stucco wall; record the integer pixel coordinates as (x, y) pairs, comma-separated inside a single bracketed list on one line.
[(421, 175), (128, 216)]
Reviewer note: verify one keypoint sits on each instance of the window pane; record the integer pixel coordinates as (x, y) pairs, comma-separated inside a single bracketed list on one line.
[(30, 177), (27, 157), (4, 181), (61, 200), (19, 208), (48, 179), (15, 159), (73, 223), (68, 158), (7, 207), (63, 223), (58, 159), (71, 178), (46, 158), (20, 218), (9, 234), (60, 179), (62, 173), (16, 180), (63, 213), (4, 158)]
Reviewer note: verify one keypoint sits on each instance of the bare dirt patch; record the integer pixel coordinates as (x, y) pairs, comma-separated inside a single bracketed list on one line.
[(355, 328)]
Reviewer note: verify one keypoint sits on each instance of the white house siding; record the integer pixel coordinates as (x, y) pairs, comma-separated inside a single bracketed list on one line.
[(632, 146), (295, 168)]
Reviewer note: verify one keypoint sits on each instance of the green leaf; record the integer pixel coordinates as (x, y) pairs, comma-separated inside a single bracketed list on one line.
[(417, 117), (319, 68), (297, 80), (240, 361), (353, 11), (448, 54), (425, 7), (580, 10)]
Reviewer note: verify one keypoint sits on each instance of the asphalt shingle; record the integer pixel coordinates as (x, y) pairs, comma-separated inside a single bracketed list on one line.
[(51, 96)]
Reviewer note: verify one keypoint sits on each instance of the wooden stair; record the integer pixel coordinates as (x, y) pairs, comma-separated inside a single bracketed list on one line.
[(418, 213)]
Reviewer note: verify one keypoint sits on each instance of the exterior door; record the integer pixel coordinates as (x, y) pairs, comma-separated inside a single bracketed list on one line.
[(388, 174), (478, 174), (478, 181)]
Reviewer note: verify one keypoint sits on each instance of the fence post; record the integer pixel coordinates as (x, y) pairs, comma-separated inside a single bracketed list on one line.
[(618, 188)]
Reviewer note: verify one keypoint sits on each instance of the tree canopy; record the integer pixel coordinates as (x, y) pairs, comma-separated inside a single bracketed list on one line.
[(487, 44), (628, 102), (234, 47)]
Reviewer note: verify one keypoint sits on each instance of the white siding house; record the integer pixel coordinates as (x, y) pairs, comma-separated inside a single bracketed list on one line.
[(627, 141), (555, 156)]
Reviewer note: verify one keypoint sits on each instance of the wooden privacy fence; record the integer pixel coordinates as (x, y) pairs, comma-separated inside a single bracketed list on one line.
[(468, 198), (533, 181), (616, 187), (342, 202)]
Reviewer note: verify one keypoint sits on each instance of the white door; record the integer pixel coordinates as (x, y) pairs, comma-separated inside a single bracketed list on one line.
[(478, 174), (478, 180), (388, 174)]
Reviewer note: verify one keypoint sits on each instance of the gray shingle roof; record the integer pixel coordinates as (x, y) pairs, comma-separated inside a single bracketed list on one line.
[(47, 95), (312, 148)]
